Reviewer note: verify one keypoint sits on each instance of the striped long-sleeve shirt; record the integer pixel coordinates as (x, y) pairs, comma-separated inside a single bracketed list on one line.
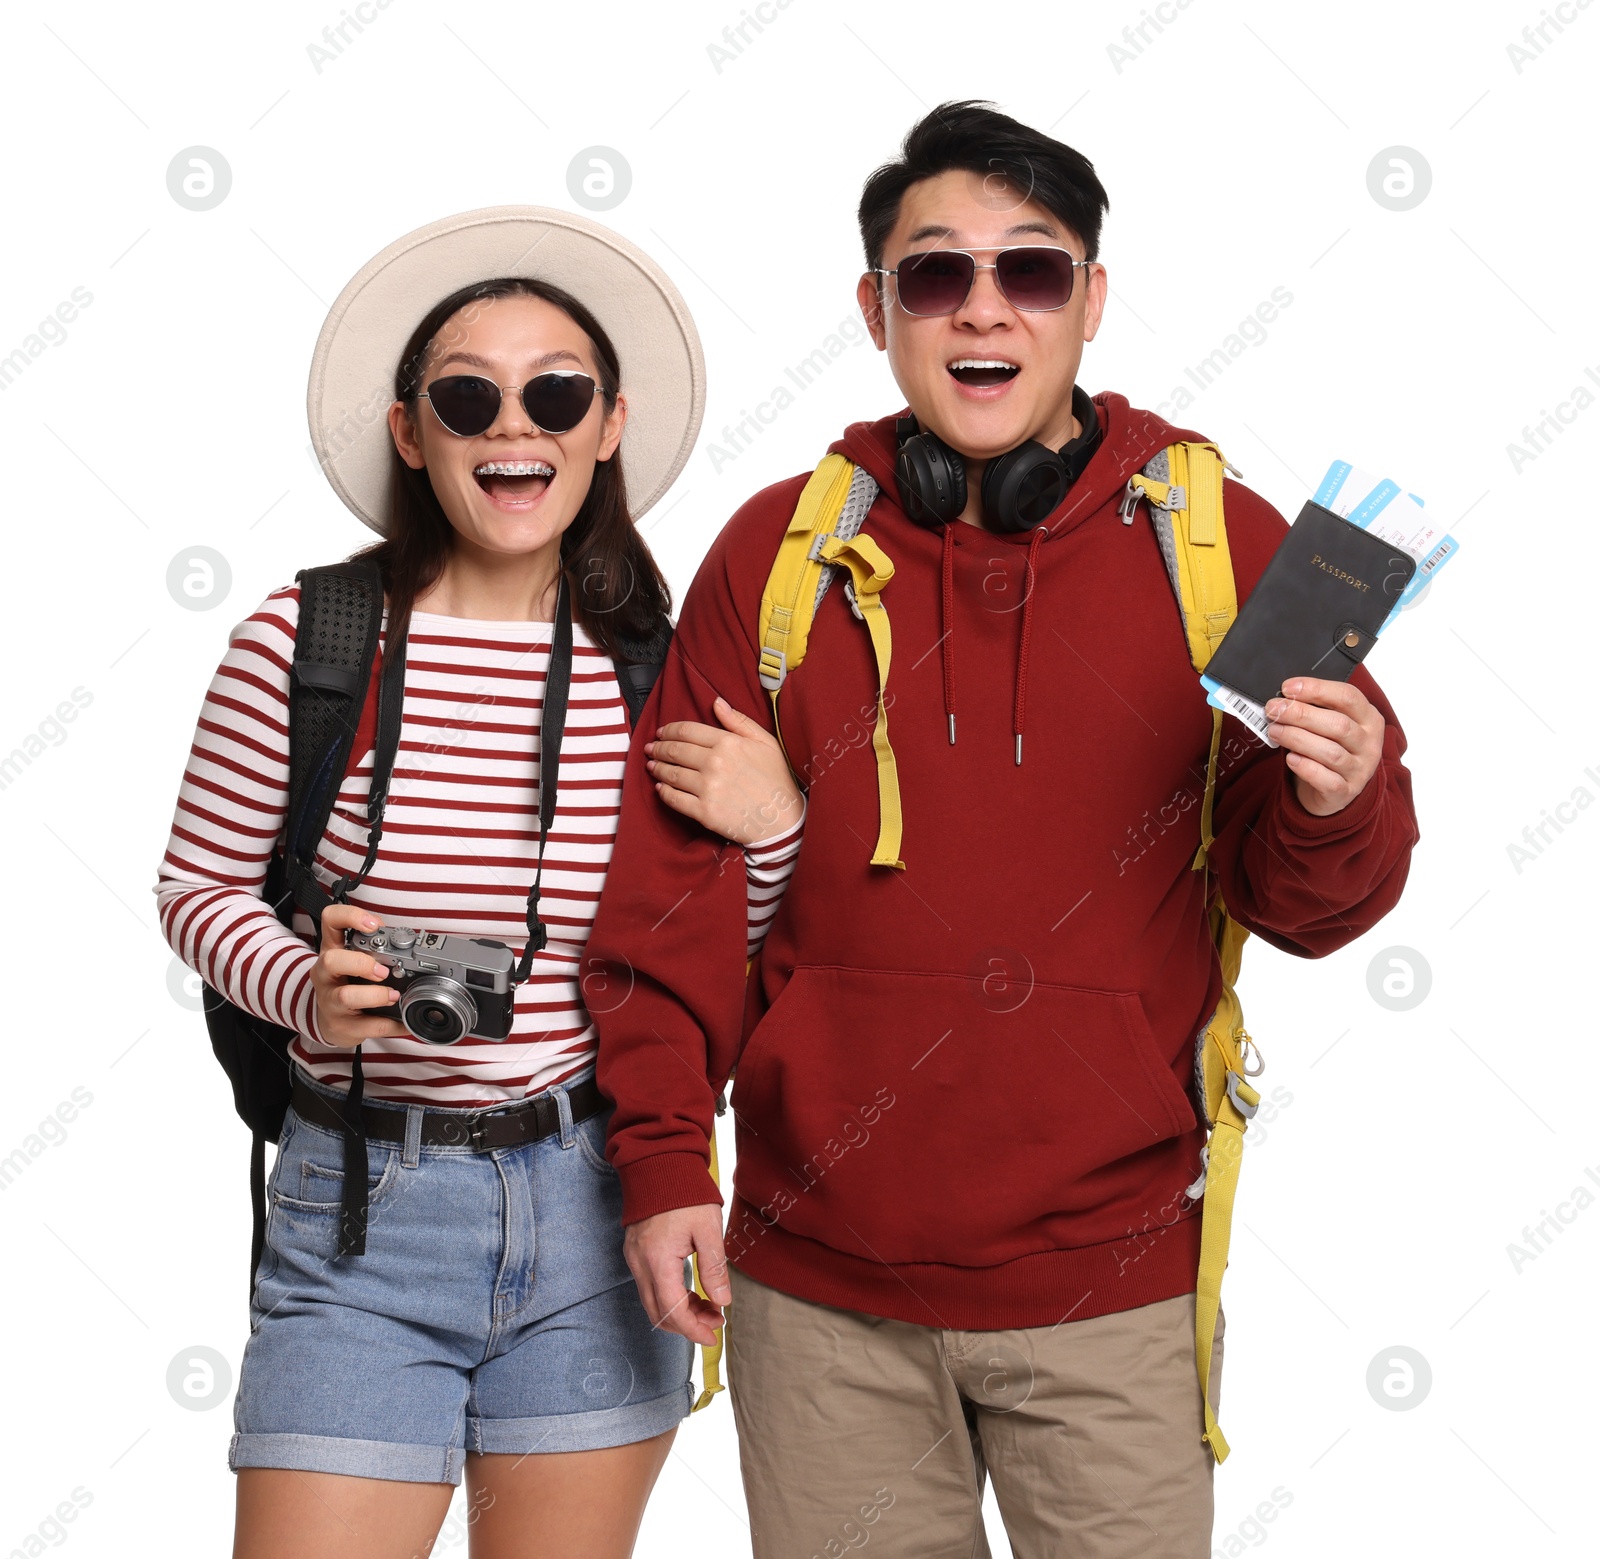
[(459, 845)]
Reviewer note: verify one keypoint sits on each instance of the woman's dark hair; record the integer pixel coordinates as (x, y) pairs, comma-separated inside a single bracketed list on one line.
[(976, 136), (617, 589)]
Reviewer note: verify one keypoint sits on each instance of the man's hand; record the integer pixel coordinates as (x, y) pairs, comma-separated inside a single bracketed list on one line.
[(656, 1249), (1333, 737), (735, 781)]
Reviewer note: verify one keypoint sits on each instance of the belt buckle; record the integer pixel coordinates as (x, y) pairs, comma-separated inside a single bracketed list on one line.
[(478, 1131)]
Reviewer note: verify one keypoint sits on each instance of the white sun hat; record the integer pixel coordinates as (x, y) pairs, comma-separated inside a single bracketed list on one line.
[(353, 367)]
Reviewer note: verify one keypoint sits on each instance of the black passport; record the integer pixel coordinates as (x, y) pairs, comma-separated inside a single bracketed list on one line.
[(1317, 608)]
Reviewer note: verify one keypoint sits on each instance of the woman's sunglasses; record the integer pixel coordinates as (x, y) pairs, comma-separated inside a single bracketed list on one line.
[(555, 402), (939, 281)]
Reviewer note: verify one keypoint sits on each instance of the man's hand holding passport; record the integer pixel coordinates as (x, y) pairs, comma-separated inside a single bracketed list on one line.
[(1358, 552)]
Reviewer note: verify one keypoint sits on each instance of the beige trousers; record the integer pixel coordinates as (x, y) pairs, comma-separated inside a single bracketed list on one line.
[(857, 1432)]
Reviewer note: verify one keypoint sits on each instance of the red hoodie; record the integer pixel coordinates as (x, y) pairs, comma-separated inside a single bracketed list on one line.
[(964, 1094)]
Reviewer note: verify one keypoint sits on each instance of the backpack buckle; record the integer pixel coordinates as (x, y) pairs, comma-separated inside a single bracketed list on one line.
[(1130, 502), (774, 668), (1243, 1106)]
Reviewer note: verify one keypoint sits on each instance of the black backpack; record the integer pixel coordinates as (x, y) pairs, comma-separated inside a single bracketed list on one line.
[(341, 611)]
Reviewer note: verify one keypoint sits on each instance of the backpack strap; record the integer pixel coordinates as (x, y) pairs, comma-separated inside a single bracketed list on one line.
[(638, 662), (710, 1354), (1230, 1101), (1183, 488), (341, 615), (824, 536), (336, 641), (336, 638)]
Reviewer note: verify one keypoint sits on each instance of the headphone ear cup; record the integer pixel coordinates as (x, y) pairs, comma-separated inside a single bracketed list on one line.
[(931, 479), (1022, 487)]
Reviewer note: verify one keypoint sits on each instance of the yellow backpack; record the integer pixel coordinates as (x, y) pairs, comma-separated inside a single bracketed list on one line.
[(1183, 488)]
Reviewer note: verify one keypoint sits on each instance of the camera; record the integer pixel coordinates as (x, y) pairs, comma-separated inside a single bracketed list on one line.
[(451, 987)]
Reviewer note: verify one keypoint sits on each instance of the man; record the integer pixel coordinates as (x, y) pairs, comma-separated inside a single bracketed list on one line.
[(959, 1236)]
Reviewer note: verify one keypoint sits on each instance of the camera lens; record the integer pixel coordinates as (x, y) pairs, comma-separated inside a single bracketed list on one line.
[(438, 1010)]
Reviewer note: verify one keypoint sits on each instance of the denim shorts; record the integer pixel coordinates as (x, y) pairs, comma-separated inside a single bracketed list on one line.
[(492, 1310)]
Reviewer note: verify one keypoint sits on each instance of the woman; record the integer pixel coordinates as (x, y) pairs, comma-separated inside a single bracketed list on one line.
[(490, 1324)]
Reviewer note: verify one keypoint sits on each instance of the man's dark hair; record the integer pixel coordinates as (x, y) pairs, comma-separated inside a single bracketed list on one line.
[(976, 136)]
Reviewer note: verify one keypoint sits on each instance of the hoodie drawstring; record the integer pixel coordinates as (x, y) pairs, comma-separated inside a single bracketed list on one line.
[(1029, 579), (947, 627)]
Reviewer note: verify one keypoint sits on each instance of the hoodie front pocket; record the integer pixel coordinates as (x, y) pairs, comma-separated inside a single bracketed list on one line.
[(913, 1117)]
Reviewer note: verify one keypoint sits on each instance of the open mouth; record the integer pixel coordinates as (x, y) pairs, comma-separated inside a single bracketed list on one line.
[(514, 482), (978, 371)]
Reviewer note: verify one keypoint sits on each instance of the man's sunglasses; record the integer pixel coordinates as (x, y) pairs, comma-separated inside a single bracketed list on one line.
[(555, 402), (939, 281)]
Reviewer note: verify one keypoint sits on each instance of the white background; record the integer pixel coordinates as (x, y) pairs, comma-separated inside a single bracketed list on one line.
[(1377, 1208)]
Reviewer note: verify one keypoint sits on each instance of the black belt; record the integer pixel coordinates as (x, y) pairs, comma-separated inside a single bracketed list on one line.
[(482, 1130)]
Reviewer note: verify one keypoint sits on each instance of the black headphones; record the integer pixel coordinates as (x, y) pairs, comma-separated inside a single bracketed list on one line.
[(1021, 488)]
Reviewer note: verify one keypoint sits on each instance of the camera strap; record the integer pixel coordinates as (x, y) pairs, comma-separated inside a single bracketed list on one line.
[(552, 726), (353, 1190)]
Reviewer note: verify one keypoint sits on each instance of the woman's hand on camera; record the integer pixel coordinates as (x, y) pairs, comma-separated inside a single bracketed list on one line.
[(347, 1006), (735, 781)]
